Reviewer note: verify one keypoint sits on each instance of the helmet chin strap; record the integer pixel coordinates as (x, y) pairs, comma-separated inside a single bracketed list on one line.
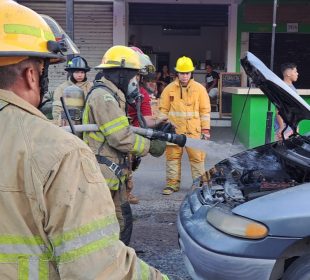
[(43, 82)]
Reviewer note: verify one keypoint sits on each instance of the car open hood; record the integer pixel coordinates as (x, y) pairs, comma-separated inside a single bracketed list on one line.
[(290, 105)]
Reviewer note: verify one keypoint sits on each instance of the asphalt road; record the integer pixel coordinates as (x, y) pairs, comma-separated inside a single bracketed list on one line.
[(155, 236)]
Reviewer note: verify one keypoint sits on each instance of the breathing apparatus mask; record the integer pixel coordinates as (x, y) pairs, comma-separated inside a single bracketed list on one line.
[(133, 91), (43, 81), (125, 80)]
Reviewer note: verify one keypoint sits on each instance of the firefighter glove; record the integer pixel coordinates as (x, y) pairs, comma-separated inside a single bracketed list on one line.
[(157, 148), (205, 134), (166, 127)]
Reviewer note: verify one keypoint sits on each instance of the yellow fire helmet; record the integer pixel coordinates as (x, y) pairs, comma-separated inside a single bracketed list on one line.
[(184, 65), (120, 57), (23, 34)]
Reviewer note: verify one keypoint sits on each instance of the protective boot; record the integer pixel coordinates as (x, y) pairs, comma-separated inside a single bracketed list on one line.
[(123, 214), (132, 199), (129, 186)]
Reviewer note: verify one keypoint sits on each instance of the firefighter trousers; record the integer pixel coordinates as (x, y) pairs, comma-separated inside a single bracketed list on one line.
[(123, 213), (173, 164)]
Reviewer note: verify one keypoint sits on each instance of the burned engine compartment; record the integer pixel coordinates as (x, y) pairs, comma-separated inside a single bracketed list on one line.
[(257, 172)]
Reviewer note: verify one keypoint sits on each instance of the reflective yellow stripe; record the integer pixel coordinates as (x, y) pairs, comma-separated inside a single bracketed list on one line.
[(182, 114), (205, 117), (139, 145), (43, 270), (97, 136), (23, 269), (88, 249), (30, 253), (114, 125), (113, 183), (85, 120), (142, 271), (73, 234), (16, 239), (85, 114), (27, 30), (33, 269), (74, 102), (87, 239), (49, 36)]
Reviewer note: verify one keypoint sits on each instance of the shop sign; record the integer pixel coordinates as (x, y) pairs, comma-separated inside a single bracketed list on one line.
[(292, 27)]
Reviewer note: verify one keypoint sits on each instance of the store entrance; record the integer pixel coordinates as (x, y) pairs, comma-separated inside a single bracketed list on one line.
[(168, 31)]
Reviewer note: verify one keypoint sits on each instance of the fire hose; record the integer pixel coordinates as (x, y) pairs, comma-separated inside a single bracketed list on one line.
[(178, 139)]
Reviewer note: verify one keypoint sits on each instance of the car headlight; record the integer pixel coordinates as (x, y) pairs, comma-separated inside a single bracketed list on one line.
[(232, 224)]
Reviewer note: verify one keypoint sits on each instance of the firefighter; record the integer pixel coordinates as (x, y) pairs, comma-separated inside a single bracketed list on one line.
[(186, 103), (140, 114), (57, 217), (77, 68), (115, 88)]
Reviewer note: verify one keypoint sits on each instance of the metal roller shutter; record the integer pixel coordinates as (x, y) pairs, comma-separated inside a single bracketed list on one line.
[(93, 31)]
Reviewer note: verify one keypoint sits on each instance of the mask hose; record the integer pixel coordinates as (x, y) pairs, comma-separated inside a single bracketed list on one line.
[(141, 119), (43, 81)]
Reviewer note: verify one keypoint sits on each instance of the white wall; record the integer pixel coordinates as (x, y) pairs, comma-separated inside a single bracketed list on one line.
[(213, 39)]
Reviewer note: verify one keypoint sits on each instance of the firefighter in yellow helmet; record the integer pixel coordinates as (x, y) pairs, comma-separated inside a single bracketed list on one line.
[(57, 217), (115, 88), (186, 103)]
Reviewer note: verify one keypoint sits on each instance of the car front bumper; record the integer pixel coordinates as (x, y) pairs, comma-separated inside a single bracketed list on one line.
[(203, 264), (212, 254)]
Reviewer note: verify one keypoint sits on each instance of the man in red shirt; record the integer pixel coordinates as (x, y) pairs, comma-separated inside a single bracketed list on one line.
[(146, 110), (140, 114)]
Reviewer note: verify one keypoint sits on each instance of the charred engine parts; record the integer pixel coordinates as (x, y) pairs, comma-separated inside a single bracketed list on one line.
[(212, 194)]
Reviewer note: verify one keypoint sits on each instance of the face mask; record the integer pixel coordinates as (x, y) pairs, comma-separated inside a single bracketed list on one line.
[(133, 92)]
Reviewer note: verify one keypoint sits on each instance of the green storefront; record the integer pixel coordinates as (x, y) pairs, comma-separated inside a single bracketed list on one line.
[(292, 44)]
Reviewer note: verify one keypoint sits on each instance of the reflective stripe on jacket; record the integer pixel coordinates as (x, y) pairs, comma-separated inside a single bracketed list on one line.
[(115, 139), (57, 217), (188, 108)]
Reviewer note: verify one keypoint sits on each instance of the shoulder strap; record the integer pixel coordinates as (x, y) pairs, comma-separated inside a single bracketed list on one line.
[(98, 84), (114, 167), (3, 104)]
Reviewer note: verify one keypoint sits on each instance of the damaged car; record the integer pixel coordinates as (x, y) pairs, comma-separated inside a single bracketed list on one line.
[(251, 220)]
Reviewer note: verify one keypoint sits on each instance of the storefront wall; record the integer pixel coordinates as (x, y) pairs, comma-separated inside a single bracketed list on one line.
[(228, 38), (292, 44), (256, 16), (100, 24)]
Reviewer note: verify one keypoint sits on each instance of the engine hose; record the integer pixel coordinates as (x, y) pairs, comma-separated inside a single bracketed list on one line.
[(141, 119), (179, 139)]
